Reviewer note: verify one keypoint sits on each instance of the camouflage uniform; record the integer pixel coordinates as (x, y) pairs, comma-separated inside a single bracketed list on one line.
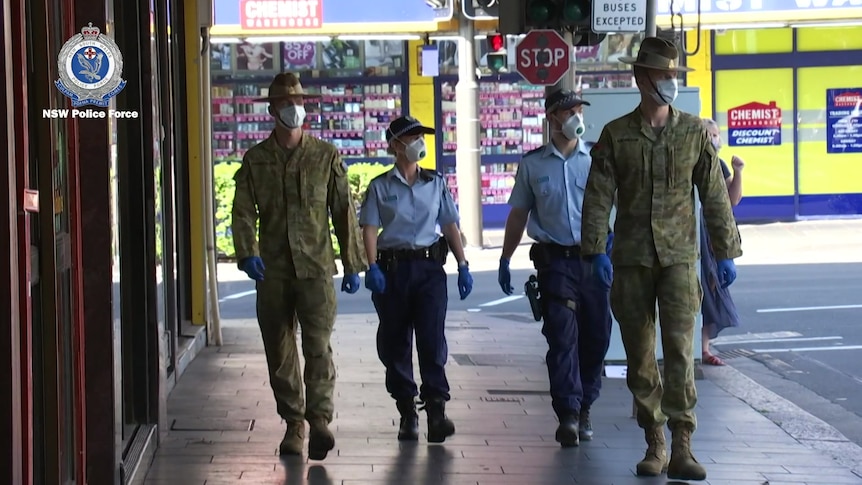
[(655, 249), (293, 192)]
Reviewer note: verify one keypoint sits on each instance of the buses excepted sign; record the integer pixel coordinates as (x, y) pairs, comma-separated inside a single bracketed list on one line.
[(611, 16)]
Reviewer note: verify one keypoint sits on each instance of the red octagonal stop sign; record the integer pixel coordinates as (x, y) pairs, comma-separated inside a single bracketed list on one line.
[(543, 57)]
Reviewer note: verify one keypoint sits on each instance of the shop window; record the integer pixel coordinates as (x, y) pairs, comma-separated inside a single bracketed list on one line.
[(360, 87), (753, 41), (819, 39)]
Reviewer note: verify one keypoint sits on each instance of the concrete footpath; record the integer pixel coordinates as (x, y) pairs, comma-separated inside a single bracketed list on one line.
[(224, 428)]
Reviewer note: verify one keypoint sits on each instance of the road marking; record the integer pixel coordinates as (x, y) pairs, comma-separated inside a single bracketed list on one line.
[(502, 300), (807, 308), (236, 296), (791, 339), (754, 336), (474, 310), (808, 349)]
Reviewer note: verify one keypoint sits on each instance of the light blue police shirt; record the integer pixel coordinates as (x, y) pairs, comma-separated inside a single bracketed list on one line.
[(551, 187), (408, 215)]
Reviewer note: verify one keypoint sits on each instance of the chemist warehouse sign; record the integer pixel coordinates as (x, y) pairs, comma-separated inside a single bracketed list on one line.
[(754, 124), (243, 18)]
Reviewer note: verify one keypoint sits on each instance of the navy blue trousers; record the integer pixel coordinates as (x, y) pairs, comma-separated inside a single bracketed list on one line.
[(578, 339), (415, 300)]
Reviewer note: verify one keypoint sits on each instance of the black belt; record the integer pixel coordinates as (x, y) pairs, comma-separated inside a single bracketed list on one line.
[(560, 251), (406, 254)]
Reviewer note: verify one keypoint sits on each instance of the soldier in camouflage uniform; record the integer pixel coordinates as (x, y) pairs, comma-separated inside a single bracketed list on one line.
[(292, 182), (652, 158)]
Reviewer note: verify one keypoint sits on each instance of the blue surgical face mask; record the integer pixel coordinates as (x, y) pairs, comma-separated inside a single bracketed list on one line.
[(666, 91)]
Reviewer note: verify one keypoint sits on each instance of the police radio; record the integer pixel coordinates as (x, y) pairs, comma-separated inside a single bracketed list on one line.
[(531, 289)]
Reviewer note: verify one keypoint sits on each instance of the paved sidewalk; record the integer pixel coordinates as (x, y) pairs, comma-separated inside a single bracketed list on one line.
[(225, 429)]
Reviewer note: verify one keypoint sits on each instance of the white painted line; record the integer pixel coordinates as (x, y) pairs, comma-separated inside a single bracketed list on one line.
[(755, 336), (757, 341), (808, 349), (502, 300), (474, 310), (807, 308), (236, 296)]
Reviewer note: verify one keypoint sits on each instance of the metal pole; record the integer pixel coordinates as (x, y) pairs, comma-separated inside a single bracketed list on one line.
[(468, 162), (567, 82), (651, 13)]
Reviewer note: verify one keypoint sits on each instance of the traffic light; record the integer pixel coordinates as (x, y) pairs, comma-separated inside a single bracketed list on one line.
[(562, 15), (481, 9), (498, 58)]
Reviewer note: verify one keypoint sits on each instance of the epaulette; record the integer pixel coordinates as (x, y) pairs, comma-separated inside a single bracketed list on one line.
[(535, 150), (381, 176), (429, 175), (589, 144)]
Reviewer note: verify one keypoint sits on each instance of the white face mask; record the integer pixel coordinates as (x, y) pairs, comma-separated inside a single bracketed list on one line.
[(291, 116), (665, 92), (415, 150), (574, 126), (716, 143)]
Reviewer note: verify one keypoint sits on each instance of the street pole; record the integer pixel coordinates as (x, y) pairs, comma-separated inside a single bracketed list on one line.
[(468, 162), (651, 13), (567, 82)]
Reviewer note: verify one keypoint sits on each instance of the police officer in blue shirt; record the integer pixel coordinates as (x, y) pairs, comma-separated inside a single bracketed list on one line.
[(547, 199), (407, 279)]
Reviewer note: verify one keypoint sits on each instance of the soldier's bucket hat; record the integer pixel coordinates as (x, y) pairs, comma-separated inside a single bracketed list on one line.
[(405, 126), (283, 86), (657, 53)]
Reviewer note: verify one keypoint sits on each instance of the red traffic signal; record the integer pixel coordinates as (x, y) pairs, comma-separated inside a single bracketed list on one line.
[(496, 43)]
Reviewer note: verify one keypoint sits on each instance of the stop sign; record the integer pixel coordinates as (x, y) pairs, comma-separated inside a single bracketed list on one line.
[(543, 57)]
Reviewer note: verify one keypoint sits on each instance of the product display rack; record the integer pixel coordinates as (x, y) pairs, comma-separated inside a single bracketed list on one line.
[(350, 113), (511, 116)]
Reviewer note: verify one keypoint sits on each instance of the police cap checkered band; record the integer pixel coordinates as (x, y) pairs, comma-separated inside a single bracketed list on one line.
[(563, 99), (406, 125)]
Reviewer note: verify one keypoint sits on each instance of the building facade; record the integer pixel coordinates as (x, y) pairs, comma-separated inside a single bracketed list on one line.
[(101, 224)]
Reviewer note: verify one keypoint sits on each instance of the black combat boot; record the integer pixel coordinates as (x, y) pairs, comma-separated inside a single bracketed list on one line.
[(439, 426), (408, 430), (567, 431)]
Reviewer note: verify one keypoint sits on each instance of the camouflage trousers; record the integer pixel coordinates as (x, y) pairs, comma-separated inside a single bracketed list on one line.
[(281, 304), (634, 293)]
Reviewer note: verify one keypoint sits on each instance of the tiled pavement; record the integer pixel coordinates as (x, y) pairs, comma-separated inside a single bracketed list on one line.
[(225, 429)]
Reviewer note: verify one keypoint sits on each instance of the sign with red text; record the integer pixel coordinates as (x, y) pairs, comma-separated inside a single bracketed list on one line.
[(844, 120), (754, 124), (281, 14), (543, 57)]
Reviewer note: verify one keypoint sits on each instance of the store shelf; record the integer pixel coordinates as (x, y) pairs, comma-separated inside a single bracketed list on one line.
[(511, 114), (353, 116)]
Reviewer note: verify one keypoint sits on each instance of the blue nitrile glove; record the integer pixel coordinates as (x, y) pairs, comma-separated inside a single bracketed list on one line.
[(504, 277), (726, 272), (465, 281), (374, 279), (253, 267), (350, 283), (610, 243), (602, 270)]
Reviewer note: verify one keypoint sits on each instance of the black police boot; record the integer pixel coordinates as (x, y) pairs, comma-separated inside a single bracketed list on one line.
[(408, 430), (567, 431), (439, 426)]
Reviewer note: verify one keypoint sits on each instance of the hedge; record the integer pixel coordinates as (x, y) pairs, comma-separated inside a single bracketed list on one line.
[(359, 175)]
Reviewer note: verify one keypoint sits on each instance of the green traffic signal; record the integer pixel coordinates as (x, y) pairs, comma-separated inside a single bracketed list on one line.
[(539, 12), (573, 11), (497, 62)]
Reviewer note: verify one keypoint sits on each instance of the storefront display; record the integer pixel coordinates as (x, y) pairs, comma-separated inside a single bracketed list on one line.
[(361, 86)]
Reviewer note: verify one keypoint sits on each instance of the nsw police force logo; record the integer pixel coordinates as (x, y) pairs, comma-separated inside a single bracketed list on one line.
[(91, 68)]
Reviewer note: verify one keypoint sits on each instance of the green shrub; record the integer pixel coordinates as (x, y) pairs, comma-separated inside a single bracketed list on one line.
[(359, 175)]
